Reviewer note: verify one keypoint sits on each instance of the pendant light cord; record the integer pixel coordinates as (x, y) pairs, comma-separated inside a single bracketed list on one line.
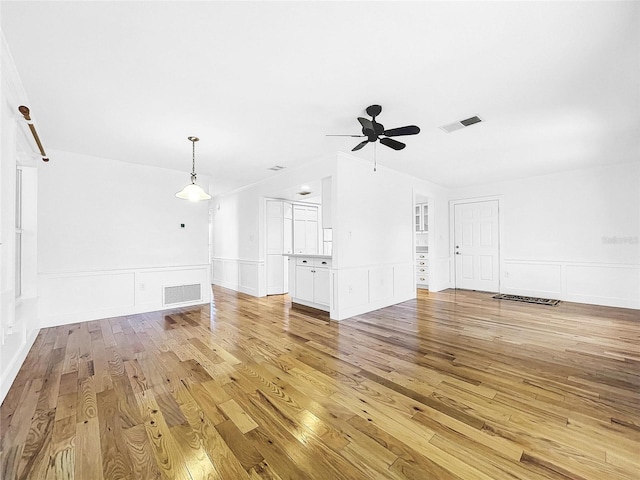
[(193, 160)]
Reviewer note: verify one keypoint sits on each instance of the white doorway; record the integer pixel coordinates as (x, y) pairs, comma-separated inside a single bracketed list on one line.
[(477, 245)]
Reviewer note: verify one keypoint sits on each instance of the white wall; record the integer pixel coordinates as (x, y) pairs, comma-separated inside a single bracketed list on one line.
[(238, 247), (18, 318), (110, 238), (373, 237), (572, 236)]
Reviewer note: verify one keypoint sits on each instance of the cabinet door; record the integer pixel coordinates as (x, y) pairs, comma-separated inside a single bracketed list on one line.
[(304, 283), (275, 275), (311, 237), (287, 246), (288, 210), (425, 218), (321, 286), (275, 235), (299, 236), (299, 212), (274, 227), (312, 214)]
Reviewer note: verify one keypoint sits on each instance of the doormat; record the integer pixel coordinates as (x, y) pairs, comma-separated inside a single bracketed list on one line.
[(520, 298)]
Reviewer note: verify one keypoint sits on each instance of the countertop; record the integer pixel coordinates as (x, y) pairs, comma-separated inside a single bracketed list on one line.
[(306, 255)]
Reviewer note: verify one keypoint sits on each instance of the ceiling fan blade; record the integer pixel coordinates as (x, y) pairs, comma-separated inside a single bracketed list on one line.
[(359, 146), (366, 124), (332, 135), (397, 132), (391, 143)]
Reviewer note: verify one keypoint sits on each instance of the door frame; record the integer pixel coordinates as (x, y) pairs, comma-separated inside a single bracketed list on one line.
[(452, 235)]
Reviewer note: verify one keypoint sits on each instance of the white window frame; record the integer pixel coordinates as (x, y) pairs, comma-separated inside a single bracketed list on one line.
[(19, 232)]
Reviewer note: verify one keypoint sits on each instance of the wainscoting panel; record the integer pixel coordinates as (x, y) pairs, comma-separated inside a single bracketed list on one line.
[(81, 296), (240, 275), (363, 289), (611, 285), (532, 279)]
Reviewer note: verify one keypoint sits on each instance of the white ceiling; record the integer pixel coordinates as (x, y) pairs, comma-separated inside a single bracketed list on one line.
[(261, 83)]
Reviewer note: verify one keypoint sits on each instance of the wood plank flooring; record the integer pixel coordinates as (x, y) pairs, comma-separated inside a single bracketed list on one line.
[(453, 385)]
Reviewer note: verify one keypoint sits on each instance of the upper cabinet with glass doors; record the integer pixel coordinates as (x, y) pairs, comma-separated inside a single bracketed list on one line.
[(421, 217)]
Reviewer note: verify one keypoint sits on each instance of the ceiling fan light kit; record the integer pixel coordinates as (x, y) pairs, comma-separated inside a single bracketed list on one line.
[(193, 192)]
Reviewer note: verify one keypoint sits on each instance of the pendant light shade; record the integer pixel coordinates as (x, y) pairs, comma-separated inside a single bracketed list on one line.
[(193, 191)]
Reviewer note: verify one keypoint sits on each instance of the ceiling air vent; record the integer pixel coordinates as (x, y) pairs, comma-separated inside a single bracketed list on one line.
[(452, 127)]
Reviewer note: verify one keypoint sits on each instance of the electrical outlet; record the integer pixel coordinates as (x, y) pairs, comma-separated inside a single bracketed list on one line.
[(142, 287)]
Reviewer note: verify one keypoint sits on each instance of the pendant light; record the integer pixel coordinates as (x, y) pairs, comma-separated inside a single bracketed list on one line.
[(193, 191)]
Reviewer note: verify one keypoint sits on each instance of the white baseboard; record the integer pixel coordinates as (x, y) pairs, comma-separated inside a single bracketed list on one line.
[(10, 371)]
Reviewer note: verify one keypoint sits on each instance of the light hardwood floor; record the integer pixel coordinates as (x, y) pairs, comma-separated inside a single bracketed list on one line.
[(453, 385)]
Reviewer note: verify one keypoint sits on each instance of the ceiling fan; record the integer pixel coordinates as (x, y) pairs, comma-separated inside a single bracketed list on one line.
[(374, 130)]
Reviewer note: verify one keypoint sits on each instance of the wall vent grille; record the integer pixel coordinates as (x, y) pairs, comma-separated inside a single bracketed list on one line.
[(182, 294)]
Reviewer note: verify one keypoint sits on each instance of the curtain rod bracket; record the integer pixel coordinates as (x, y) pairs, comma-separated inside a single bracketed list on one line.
[(27, 116)]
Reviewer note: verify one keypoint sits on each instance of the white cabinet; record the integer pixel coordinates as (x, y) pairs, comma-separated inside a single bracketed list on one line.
[(422, 269), (278, 241), (321, 286), (288, 228), (277, 275), (304, 283), (275, 227), (305, 229), (311, 281), (421, 217)]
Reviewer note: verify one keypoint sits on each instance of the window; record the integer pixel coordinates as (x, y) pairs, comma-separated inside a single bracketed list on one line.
[(18, 247)]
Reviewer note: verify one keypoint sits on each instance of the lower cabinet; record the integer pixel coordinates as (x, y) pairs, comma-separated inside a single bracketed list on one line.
[(311, 282), (422, 270)]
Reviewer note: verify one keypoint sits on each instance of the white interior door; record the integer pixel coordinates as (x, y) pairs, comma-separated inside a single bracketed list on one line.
[(477, 246)]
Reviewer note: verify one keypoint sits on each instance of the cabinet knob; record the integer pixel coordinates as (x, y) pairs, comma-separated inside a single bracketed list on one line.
[(324, 263), (304, 261)]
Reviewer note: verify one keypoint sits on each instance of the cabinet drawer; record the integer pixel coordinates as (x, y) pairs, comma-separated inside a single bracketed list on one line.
[(422, 279), (422, 270), (313, 262), (421, 263), (421, 256), (322, 262)]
